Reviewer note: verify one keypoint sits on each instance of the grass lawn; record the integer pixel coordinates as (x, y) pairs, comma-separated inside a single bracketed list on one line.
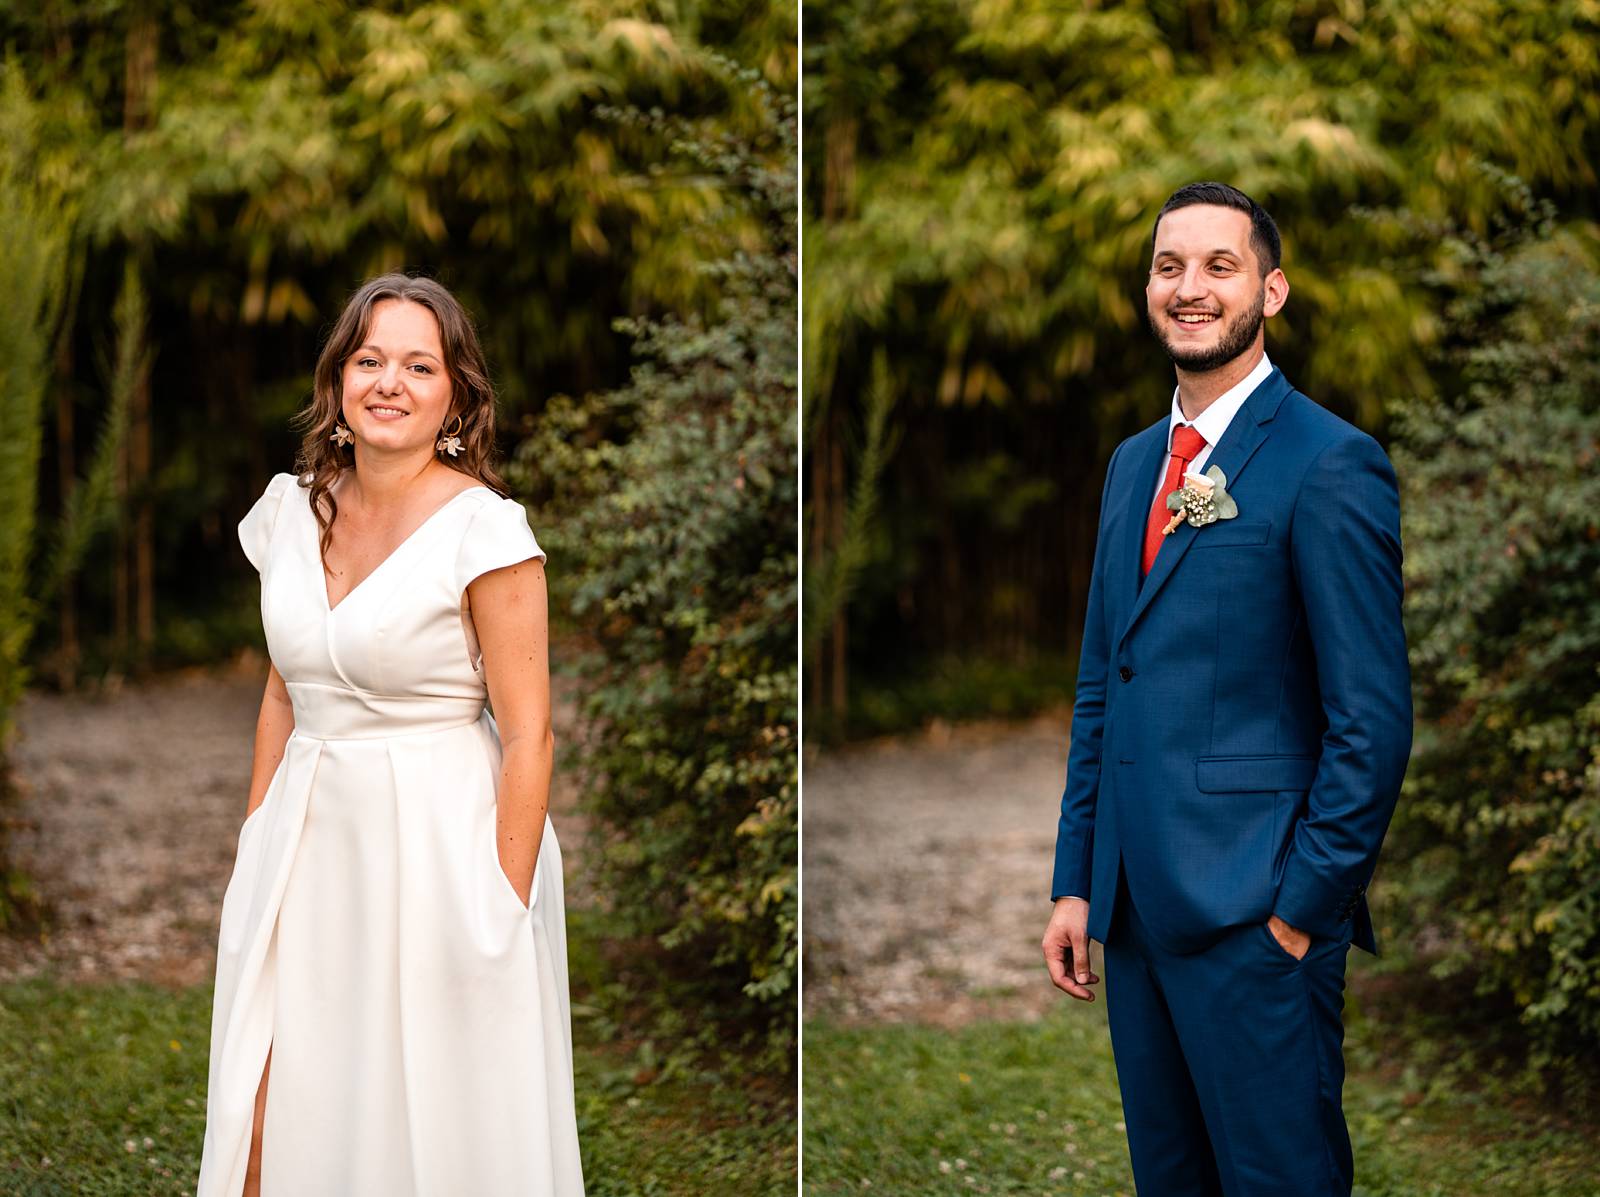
[(1033, 1109), (102, 1091)]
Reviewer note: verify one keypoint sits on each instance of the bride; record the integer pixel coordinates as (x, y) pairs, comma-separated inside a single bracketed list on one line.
[(391, 1012)]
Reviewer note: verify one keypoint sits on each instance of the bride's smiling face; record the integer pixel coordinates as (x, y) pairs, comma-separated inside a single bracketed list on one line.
[(396, 389)]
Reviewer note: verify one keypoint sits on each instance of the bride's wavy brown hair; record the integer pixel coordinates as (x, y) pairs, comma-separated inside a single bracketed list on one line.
[(471, 393)]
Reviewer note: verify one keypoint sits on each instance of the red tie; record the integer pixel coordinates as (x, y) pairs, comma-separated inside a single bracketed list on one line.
[(1186, 446)]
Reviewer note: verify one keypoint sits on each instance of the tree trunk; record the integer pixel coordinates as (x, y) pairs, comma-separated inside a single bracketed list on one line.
[(144, 551), (119, 569), (66, 480), (816, 655), (139, 91), (831, 492), (838, 636), (839, 169), (137, 113)]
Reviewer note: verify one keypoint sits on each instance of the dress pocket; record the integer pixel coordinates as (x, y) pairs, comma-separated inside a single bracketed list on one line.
[(253, 817), (501, 881)]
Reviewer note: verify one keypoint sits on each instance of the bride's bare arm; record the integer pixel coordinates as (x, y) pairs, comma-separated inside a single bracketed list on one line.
[(273, 726), (510, 613)]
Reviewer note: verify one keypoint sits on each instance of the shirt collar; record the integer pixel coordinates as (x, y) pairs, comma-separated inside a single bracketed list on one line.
[(1214, 421)]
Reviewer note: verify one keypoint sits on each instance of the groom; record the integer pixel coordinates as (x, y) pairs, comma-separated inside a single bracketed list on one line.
[(1241, 728)]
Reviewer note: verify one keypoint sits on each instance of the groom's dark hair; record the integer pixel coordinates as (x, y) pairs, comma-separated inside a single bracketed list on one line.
[(1264, 239)]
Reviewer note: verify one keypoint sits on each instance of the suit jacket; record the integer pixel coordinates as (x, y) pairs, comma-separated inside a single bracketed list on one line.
[(1243, 717)]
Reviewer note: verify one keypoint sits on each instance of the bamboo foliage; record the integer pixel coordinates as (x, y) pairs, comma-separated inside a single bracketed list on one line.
[(394, 132), (290, 150)]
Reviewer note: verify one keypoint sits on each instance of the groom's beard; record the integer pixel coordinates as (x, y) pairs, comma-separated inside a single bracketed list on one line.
[(1237, 336)]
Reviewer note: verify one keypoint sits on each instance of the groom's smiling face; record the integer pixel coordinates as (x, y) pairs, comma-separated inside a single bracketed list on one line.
[(1207, 297)]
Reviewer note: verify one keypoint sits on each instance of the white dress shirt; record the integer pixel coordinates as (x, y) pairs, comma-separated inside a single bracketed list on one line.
[(1212, 422)]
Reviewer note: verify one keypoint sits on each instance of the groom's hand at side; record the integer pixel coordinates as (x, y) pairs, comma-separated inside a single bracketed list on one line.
[(1066, 949)]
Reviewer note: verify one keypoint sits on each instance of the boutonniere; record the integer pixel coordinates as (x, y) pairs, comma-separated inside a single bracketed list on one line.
[(1202, 499)]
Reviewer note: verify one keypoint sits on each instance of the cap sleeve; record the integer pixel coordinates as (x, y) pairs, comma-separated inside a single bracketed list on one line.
[(255, 530), (497, 535)]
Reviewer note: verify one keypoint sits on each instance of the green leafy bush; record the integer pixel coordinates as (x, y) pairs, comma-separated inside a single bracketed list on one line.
[(671, 525), (1497, 836)]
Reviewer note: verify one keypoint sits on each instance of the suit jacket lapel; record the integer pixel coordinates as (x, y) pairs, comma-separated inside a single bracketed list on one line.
[(1245, 433)]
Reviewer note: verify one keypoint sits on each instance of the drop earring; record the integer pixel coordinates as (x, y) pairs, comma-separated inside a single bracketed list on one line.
[(450, 442), (342, 435)]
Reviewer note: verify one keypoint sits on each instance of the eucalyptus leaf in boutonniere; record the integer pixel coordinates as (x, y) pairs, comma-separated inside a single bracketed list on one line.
[(1202, 499)]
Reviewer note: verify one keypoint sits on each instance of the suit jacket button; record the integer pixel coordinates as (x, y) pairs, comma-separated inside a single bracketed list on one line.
[(1125, 674)]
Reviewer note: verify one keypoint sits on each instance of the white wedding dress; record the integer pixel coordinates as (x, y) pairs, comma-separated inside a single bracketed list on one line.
[(417, 1012)]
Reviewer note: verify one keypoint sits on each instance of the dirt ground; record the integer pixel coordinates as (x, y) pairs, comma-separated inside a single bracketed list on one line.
[(132, 804), (927, 873)]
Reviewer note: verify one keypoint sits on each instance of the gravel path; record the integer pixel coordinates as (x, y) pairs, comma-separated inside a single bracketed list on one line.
[(132, 802), (927, 872)]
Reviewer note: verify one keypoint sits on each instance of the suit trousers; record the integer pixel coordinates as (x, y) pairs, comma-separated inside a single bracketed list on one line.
[(1230, 1061)]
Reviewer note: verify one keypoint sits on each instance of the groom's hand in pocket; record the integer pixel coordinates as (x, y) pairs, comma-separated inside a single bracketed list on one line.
[(1290, 938), (1066, 949)]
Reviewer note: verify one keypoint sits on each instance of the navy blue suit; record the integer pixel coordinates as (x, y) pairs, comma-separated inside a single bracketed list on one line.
[(1240, 731)]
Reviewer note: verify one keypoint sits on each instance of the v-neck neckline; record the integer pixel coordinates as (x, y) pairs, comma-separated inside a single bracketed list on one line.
[(328, 606)]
